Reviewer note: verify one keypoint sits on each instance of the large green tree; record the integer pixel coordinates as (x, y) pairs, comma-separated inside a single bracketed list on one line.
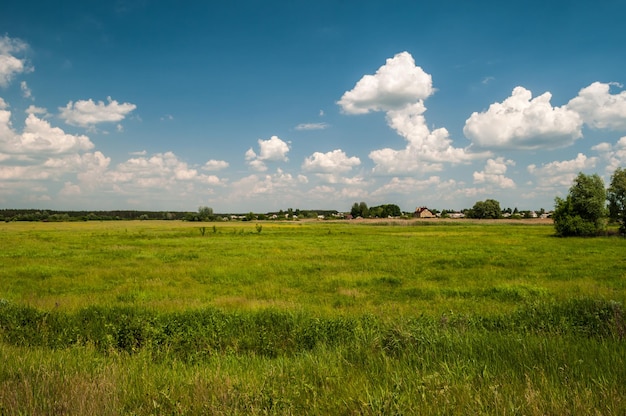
[(617, 198), (489, 208), (583, 211)]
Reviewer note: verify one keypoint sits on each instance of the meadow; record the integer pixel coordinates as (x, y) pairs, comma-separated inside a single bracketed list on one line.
[(320, 317)]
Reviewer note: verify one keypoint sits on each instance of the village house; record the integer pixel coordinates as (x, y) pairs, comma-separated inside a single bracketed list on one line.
[(423, 212)]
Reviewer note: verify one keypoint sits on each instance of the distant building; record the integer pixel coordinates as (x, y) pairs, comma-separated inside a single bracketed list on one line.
[(423, 212)]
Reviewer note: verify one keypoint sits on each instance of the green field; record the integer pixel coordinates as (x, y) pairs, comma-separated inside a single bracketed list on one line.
[(319, 317)]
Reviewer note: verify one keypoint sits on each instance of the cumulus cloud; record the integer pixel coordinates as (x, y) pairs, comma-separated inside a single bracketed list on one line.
[(32, 109), (271, 150), (575, 165), (397, 83), (6, 129), (78, 162), (493, 173), (613, 154), (335, 161), (42, 153), (54, 167), (70, 189), (38, 137), (161, 171), (253, 186), (425, 151), (599, 108), (10, 65), (23, 173), (561, 173), (409, 185), (523, 122), (399, 88), (215, 165), (89, 113)]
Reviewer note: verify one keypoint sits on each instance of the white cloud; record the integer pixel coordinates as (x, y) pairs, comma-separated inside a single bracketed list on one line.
[(399, 88), (561, 173), (258, 165), (271, 150), (43, 152), (32, 109), (6, 129), (575, 165), (397, 83), (88, 113), (39, 137), (78, 162), (613, 155), (70, 189), (158, 177), (264, 185), (215, 165), (26, 92), (9, 64), (312, 126), (426, 150), (55, 167), (408, 185), (335, 161), (599, 108), (523, 122), (494, 173), (23, 173)]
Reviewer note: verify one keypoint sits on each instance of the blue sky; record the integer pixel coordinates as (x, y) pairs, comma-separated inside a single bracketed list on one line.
[(266, 105)]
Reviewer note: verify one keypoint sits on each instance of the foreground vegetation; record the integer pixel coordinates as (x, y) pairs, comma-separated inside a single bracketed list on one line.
[(315, 318)]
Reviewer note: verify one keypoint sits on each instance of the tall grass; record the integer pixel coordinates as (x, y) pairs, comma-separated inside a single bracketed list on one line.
[(572, 361)]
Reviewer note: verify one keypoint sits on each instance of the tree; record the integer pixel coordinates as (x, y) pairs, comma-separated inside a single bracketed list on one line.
[(365, 212), (583, 211), (617, 198), (205, 214), (386, 210), (355, 210), (360, 210), (489, 208)]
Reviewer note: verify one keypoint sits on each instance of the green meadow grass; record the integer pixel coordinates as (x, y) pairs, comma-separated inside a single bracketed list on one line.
[(310, 318)]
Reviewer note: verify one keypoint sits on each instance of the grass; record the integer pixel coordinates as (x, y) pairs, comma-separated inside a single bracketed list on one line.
[(309, 318)]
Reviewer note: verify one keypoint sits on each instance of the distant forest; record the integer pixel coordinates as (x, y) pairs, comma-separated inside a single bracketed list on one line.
[(118, 215)]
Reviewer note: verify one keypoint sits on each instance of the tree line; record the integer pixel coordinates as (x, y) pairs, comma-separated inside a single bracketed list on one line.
[(57, 216)]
